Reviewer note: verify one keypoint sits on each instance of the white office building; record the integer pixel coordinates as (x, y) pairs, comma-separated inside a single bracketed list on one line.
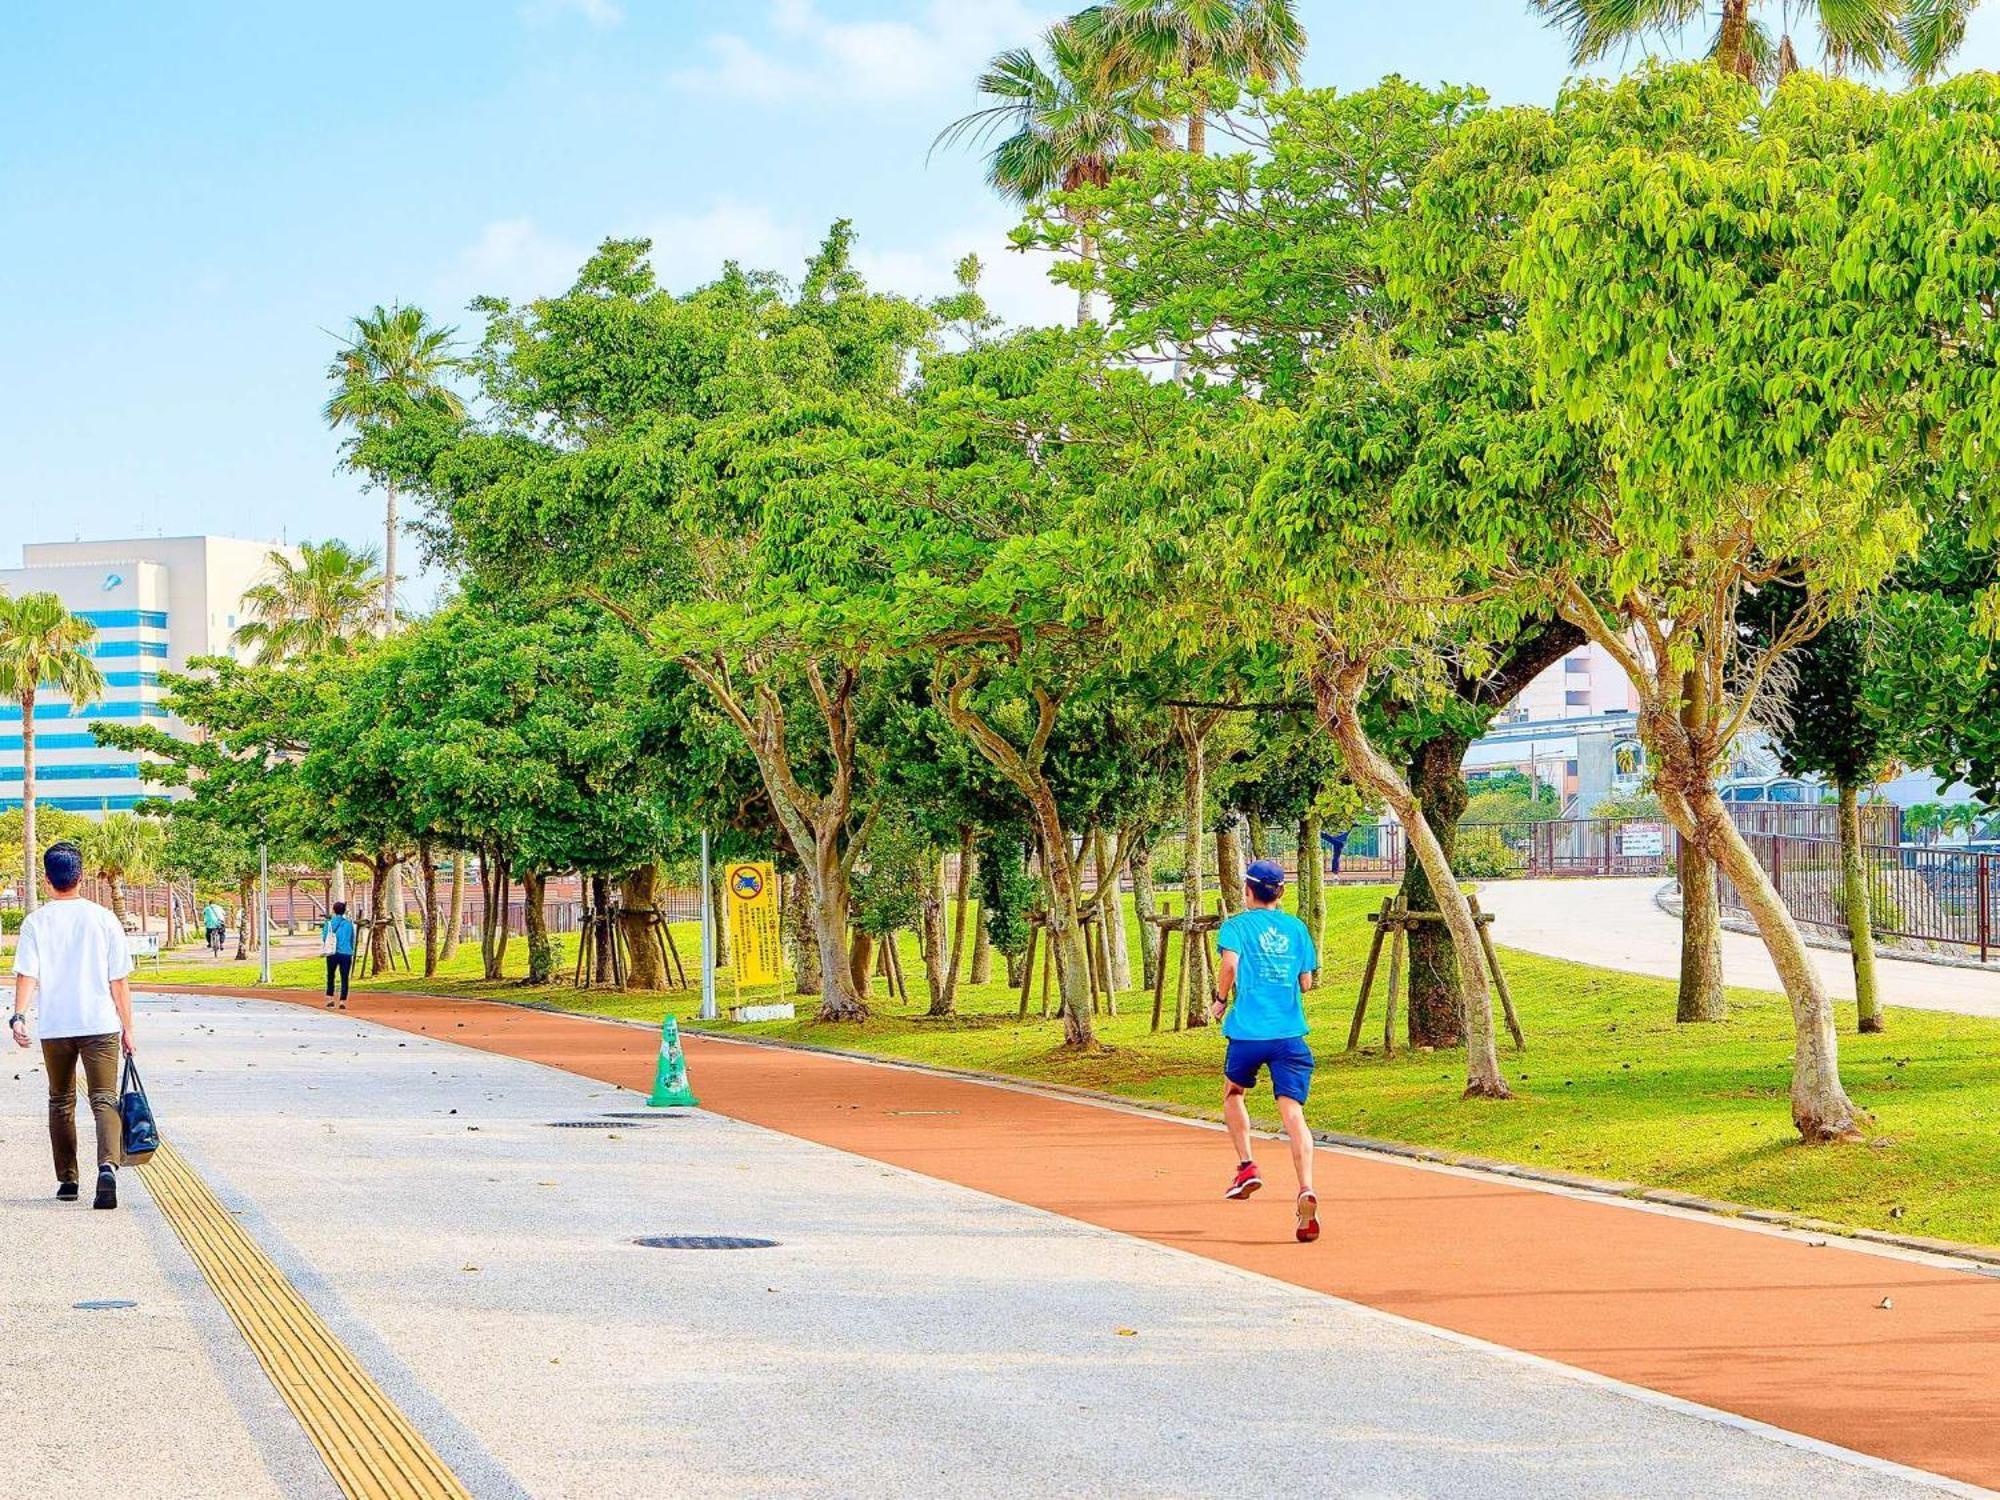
[(157, 602)]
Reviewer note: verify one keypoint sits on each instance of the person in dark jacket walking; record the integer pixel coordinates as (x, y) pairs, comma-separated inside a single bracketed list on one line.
[(336, 941)]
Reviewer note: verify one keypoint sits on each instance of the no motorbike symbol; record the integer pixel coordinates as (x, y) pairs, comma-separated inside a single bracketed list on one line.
[(746, 882)]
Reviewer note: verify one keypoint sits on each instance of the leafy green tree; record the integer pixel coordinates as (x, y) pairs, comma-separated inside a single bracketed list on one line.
[(239, 769), (656, 453), (1577, 461), (1062, 126), (1148, 42), (324, 602), (42, 645), (123, 848), (1250, 269), (391, 369)]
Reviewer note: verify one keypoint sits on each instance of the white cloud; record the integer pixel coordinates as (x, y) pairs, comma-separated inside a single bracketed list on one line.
[(597, 12), (517, 258), (811, 55)]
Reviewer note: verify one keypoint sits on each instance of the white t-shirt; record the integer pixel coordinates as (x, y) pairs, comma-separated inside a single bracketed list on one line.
[(73, 950)]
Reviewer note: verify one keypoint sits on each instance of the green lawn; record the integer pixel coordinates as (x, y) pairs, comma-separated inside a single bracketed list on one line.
[(1608, 1085)]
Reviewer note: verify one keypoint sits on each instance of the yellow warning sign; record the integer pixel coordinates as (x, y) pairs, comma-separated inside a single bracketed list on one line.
[(754, 941)]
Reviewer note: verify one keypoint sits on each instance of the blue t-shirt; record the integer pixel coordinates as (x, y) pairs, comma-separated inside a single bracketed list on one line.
[(1272, 948), (343, 934)]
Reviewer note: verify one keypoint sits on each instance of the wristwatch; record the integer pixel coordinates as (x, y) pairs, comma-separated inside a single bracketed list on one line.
[(19, 1018)]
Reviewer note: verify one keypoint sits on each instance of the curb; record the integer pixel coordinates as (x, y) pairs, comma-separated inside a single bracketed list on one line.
[(1984, 1259)]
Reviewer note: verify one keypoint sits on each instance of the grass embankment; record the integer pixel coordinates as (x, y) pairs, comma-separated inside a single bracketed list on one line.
[(1609, 1084)]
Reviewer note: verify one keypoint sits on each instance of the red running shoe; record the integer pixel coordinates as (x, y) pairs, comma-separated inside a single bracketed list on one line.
[(1247, 1181), (1308, 1211)]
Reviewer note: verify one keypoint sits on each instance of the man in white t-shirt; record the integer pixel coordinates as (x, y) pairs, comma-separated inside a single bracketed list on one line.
[(72, 962)]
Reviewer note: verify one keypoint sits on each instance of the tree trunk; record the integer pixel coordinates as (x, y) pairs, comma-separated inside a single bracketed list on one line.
[(291, 908), (1260, 837), (1701, 997), (1854, 898), (397, 913), (1312, 882), (427, 866), (337, 886), (1087, 251), (638, 893), (800, 933), (454, 912), (117, 896), (944, 1001), (535, 918), (494, 887), (378, 934), (861, 960), (244, 885), (1821, 1110), (1229, 865), (719, 903), (982, 951), (930, 930), (389, 557), (1436, 993), (603, 970), (1147, 908), (1197, 132), (1732, 40), (31, 887), (841, 997), (1482, 1058), (1191, 994), (1116, 946)]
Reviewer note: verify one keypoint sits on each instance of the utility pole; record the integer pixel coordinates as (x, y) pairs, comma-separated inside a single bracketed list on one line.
[(264, 912)]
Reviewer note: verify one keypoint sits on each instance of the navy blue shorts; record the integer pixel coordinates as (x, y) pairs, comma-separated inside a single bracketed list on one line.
[(1289, 1059)]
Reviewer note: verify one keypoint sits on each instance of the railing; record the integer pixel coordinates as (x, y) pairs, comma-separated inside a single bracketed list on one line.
[(1940, 897)]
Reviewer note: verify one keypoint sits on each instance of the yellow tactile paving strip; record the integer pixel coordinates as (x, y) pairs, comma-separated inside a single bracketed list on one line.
[(369, 1445)]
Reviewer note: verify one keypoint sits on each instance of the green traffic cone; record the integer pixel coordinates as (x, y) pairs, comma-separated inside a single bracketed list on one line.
[(670, 1074)]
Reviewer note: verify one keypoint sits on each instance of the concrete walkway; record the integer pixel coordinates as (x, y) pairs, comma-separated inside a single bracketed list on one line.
[(1616, 924), (1767, 1324), (906, 1334)]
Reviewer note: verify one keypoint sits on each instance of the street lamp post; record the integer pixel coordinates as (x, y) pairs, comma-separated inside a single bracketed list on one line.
[(708, 1010), (264, 913)]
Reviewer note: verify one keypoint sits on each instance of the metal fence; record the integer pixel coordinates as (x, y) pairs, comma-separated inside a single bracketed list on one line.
[(1940, 897)]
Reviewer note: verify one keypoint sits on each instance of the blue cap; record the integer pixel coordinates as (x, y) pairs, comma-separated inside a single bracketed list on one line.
[(1267, 875)]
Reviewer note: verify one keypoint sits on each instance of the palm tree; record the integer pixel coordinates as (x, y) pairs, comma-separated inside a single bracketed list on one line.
[(1919, 36), (1066, 123), (1148, 41), (391, 368), (321, 605), (124, 847), (42, 645)]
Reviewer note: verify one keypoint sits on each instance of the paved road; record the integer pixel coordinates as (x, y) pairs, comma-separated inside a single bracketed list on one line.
[(906, 1335), (1617, 924)]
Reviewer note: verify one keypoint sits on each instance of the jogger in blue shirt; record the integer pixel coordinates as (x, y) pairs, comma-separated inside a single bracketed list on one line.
[(1268, 963)]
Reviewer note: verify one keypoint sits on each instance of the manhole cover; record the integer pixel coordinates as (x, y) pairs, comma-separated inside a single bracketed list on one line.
[(587, 1125), (103, 1304), (704, 1242)]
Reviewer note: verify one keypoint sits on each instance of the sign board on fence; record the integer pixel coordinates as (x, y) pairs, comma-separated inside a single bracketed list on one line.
[(754, 942), (1643, 840)]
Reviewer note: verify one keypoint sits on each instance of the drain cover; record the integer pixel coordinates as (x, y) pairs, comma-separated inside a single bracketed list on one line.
[(103, 1304), (704, 1242), (586, 1125)]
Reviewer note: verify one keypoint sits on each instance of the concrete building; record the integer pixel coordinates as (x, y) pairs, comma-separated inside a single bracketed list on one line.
[(1585, 683), (156, 603)]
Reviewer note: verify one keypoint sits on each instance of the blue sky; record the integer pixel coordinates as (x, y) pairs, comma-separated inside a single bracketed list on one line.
[(194, 194)]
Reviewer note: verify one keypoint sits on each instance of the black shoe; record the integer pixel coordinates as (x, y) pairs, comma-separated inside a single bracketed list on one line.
[(65, 1192), (107, 1188)]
